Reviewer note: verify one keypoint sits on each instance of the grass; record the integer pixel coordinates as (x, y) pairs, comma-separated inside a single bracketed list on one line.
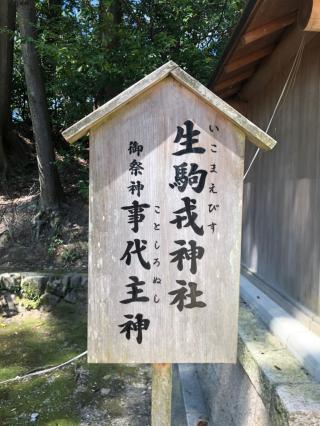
[(51, 399), (35, 341)]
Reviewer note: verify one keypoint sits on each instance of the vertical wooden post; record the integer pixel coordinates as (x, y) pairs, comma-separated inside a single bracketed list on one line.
[(161, 394)]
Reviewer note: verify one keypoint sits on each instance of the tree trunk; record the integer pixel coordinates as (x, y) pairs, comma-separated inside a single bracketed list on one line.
[(50, 188), (7, 26), (110, 17)]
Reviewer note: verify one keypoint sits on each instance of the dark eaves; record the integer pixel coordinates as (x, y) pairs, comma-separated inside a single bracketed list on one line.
[(238, 31)]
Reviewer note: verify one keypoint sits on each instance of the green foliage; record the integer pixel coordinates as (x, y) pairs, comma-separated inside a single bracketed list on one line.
[(30, 303), (70, 255), (30, 294), (90, 50), (55, 242)]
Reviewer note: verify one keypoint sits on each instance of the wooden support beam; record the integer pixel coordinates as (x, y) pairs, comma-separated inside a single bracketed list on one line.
[(248, 59), (233, 80), (161, 394), (226, 93), (268, 28), (283, 55), (309, 15)]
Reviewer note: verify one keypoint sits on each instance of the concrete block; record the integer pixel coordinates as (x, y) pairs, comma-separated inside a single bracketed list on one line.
[(298, 404)]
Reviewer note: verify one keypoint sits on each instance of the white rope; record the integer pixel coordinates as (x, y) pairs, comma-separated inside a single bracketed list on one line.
[(288, 85), (47, 370)]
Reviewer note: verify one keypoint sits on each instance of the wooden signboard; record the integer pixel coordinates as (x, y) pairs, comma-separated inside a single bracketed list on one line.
[(166, 170)]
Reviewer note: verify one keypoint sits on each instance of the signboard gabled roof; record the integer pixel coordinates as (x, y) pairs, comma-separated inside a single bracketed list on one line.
[(97, 117)]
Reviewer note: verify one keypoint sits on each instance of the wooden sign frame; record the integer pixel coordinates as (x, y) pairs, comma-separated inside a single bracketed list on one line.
[(224, 128)]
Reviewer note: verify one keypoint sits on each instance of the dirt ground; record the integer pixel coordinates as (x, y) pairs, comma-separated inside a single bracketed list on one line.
[(30, 241), (79, 394)]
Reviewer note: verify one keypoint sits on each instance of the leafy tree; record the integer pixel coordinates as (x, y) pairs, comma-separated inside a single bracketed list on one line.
[(91, 50), (70, 56)]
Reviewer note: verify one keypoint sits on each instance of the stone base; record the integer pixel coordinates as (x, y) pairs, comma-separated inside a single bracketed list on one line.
[(266, 387), (27, 290)]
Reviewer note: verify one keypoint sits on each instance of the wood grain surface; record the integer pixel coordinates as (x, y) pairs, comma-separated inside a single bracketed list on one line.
[(199, 334)]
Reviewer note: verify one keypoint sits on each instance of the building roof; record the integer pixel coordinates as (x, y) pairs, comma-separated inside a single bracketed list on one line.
[(170, 69), (259, 31)]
